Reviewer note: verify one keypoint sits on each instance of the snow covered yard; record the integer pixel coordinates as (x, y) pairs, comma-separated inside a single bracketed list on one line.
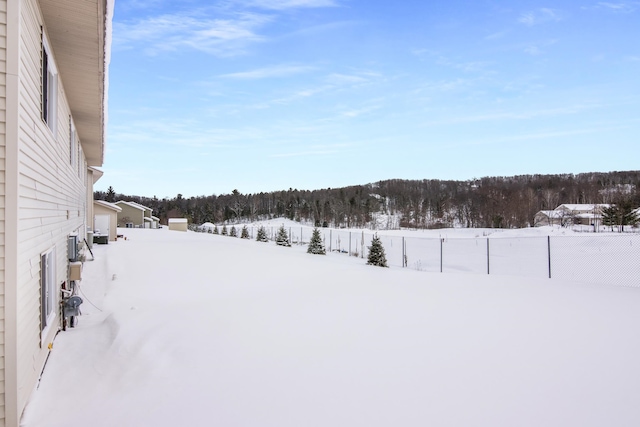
[(202, 330)]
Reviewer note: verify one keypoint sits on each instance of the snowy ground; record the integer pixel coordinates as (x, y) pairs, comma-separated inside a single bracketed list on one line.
[(191, 329)]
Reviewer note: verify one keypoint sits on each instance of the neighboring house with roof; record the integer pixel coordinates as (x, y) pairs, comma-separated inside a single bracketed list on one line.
[(135, 215), (150, 221), (53, 80), (571, 214), (105, 219)]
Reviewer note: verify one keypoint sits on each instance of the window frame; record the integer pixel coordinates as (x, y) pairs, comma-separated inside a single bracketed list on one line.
[(49, 88), (73, 142), (48, 294)]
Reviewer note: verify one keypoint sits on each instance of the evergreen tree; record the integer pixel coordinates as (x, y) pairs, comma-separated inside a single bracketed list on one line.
[(376, 253), (224, 230), (233, 232), (282, 238), (262, 235), (111, 195), (245, 233), (315, 244), (622, 213), (215, 230)]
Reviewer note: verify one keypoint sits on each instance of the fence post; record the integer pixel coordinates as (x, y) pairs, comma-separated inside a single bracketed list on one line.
[(330, 240), (441, 241), (549, 254), (349, 243), (487, 255), (403, 254)]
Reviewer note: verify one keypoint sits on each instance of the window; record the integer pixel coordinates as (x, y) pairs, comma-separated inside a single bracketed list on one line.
[(47, 289), (49, 86), (80, 157), (72, 143)]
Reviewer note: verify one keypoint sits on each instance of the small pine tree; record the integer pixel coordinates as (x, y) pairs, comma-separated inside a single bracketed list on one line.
[(316, 246), (233, 232), (262, 235), (111, 195), (224, 230), (282, 239), (376, 253), (245, 233), (215, 230)]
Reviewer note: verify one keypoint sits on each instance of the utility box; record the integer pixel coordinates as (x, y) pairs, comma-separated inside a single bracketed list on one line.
[(72, 248), (75, 270)]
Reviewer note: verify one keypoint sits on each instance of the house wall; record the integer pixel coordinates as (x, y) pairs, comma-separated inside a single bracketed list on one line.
[(113, 219), (51, 204), (134, 215), (3, 142)]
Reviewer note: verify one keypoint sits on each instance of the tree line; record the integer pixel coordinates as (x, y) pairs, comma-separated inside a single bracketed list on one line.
[(495, 202)]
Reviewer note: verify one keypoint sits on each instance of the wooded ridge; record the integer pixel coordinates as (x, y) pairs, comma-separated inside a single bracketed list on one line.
[(498, 202)]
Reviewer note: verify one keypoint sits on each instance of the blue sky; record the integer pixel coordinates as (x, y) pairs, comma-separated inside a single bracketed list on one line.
[(265, 95)]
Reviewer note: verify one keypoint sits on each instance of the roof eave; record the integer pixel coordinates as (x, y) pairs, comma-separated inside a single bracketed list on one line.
[(79, 33)]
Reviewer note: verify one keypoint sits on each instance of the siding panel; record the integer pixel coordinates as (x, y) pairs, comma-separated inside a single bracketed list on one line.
[(3, 92)]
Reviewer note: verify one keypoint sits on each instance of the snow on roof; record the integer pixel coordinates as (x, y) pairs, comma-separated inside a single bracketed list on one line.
[(177, 220), (131, 204), (108, 205), (582, 206), (142, 206), (550, 214)]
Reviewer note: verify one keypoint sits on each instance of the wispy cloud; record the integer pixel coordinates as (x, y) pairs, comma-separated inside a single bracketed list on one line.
[(269, 72), (512, 115), (289, 4), (458, 84), (173, 32), (536, 49), (539, 16), (332, 83), (618, 7), (496, 36), (318, 152), (357, 112)]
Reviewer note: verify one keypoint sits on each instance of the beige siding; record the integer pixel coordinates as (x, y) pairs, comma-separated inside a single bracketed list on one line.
[(51, 200), (130, 214), (3, 103)]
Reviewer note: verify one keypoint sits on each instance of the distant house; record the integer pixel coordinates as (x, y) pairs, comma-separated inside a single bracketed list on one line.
[(136, 215), (105, 220), (53, 78), (178, 224), (571, 214), (546, 217)]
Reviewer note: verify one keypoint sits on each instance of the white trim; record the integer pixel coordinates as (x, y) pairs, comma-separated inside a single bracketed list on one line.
[(73, 142), (52, 86), (48, 292)]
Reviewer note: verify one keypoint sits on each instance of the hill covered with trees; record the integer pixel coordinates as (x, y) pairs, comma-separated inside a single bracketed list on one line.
[(498, 202)]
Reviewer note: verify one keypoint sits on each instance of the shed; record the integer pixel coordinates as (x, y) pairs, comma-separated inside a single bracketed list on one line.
[(178, 224), (105, 218)]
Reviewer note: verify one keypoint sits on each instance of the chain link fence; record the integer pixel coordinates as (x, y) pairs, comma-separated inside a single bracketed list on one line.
[(608, 259)]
